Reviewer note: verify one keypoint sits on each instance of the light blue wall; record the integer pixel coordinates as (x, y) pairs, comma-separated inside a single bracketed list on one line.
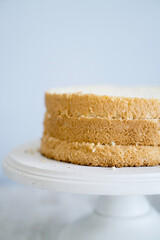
[(53, 43)]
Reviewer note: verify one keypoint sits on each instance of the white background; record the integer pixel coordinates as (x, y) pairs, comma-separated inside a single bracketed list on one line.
[(44, 44)]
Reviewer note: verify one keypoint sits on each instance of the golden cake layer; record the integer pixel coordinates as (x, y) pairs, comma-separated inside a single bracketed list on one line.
[(100, 155), (103, 130), (91, 105), (95, 128)]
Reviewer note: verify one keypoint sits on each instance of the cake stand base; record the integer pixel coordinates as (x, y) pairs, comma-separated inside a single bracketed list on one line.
[(117, 217)]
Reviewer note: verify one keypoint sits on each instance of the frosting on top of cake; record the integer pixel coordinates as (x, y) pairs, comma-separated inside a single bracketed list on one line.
[(117, 91)]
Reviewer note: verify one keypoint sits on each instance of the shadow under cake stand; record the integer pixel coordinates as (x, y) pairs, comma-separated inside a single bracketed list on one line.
[(122, 212)]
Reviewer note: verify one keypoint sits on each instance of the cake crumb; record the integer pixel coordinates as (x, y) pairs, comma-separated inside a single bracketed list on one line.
[(113, 143), (49, 115), (93, 150), (113, 168), (31, 151), (91, 110)]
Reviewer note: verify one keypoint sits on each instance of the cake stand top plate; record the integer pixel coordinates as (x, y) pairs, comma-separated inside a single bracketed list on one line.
[(27, 166)]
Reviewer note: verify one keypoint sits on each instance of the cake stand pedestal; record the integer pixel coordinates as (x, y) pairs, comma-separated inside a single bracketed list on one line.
[(121, 213)]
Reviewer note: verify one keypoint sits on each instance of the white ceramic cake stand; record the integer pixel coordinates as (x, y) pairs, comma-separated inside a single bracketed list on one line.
[(121, 213)]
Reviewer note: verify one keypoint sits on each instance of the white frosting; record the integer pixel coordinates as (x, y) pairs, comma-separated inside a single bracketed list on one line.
[(140, 92)]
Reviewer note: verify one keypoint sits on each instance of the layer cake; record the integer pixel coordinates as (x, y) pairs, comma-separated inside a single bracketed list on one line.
[(103, 126)]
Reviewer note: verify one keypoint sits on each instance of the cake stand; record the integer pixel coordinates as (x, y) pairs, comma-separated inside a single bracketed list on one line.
[(121, 213)]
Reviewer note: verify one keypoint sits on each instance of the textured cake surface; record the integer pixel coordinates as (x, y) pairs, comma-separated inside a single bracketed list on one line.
[(98, 129)]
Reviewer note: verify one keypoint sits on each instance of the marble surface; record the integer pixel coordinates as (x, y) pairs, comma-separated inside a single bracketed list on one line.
[(27, 213)]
